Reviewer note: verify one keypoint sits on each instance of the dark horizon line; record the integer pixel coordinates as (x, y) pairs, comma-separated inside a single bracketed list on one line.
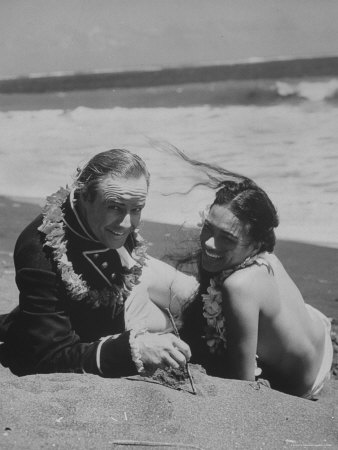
[(268, 69)]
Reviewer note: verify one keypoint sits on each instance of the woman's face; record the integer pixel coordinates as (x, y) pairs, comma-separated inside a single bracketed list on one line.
[(225, 240)]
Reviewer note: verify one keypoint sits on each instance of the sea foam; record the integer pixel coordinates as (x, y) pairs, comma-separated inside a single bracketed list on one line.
[(289, 149)]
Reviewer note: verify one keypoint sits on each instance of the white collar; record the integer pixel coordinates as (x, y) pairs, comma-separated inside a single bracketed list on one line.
[(72, 205), (126, 260)]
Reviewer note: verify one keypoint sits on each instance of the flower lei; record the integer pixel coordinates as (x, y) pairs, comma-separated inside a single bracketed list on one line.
[(215, 332), (212, 305), (53, 226)]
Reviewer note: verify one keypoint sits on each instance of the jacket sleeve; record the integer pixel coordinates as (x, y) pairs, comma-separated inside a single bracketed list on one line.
[(41, 338)]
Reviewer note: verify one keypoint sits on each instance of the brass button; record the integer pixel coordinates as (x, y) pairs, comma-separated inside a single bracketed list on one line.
[(104, 265)]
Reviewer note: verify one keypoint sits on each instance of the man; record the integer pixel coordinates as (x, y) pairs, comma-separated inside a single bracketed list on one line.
[(90, 298)]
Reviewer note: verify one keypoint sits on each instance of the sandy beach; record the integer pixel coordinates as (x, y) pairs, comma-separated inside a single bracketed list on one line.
[(84, 411)]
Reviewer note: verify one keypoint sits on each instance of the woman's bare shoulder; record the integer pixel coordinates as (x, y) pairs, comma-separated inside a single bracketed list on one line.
[(260, 270), (255, 281)]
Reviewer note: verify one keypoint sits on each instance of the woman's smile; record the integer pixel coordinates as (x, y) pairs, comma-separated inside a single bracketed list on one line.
[(213, 255)]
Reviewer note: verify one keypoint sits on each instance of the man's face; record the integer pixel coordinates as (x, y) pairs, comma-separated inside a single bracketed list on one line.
[(116, 210)]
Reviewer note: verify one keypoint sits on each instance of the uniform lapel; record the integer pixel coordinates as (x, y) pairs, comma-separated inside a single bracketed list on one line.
[(106, 262)]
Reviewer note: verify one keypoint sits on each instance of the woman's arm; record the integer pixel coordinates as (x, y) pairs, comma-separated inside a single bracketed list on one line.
[(241, 310), (170, 288)]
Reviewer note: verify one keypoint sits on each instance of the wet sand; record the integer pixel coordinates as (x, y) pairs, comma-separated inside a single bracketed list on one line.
[(85, 411)]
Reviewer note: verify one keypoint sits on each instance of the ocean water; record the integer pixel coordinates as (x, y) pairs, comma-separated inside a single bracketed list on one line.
[(283, 134)]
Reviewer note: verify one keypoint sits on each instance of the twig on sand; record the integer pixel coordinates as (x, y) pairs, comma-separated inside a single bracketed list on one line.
[(156, 444), (177, 335)]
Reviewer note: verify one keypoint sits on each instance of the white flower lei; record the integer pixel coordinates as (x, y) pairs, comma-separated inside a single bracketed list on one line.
[(215, 333), (53, 226), (212, 311)]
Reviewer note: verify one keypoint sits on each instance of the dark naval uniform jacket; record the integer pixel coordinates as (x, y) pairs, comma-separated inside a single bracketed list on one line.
[(52, 332)]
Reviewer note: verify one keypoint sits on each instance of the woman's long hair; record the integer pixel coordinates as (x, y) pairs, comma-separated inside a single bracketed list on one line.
[(246, 200)]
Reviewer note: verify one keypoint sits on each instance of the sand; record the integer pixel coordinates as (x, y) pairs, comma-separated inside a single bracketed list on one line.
[(85, 411)]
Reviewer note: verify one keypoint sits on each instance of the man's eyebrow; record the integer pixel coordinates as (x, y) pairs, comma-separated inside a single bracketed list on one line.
[(108, 201)]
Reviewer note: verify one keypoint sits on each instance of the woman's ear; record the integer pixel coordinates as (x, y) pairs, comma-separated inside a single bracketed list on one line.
[(257, 246)]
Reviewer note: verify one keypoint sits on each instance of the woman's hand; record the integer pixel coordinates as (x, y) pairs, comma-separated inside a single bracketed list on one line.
[(162, 350)]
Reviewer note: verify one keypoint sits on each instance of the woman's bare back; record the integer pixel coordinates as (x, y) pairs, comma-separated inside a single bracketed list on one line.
[(290, 341)]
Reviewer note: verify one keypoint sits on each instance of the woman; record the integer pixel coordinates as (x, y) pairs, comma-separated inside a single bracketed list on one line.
[(254, 317)]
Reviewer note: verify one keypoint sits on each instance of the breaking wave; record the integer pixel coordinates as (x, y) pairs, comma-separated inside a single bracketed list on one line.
[(309, 90)]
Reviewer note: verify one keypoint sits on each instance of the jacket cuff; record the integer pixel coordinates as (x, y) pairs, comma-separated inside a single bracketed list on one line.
[(135, 351), (98, 351), (115, 359)]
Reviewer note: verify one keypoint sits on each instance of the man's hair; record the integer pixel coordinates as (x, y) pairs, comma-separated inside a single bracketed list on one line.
[(120, 163), (252, 206)]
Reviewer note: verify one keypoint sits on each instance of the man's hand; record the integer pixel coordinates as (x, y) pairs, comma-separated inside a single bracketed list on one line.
[(162, 350)]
